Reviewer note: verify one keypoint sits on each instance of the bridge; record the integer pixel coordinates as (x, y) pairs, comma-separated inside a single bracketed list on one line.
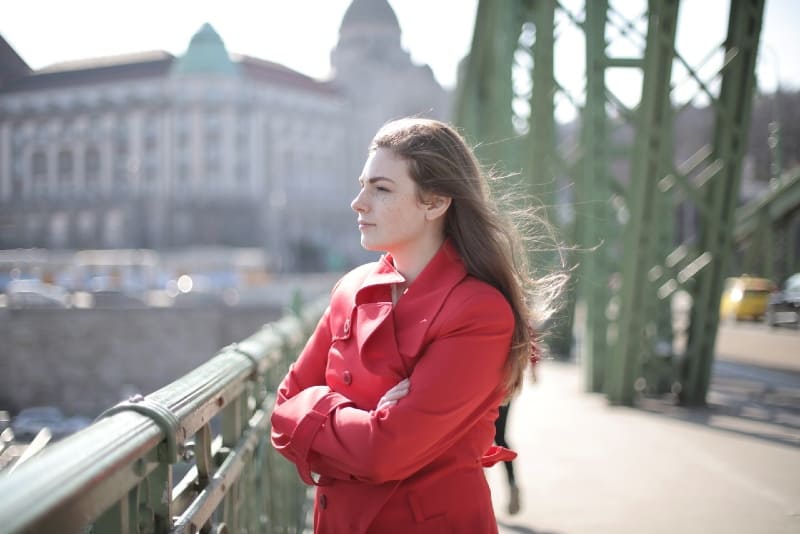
[(194, 455)]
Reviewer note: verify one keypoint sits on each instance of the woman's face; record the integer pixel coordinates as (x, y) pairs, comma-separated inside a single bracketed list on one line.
[(391, 217)]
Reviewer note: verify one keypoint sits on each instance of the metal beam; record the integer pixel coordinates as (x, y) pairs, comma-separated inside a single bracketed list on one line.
[(721, 194)]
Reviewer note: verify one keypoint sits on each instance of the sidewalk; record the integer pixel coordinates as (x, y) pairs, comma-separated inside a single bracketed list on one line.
[(587, 467)]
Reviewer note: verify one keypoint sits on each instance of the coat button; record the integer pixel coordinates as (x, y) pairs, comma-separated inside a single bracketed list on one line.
[(323, 501), (347, 326), (347, 377)]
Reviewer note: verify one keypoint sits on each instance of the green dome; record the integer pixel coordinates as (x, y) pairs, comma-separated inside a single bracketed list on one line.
[(206, 55)]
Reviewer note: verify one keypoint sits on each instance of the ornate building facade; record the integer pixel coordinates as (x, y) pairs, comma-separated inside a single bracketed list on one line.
[(208, 148)]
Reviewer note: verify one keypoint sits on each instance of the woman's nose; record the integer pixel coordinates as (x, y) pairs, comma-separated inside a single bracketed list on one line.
[(358, 203)]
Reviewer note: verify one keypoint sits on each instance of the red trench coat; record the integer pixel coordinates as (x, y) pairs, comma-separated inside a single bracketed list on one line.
[(415, 467)]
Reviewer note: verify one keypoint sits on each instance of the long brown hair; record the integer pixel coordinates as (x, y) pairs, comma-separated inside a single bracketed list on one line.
[(440, 162)]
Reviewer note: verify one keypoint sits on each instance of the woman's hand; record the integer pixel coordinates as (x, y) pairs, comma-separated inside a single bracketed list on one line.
[(397, 392)]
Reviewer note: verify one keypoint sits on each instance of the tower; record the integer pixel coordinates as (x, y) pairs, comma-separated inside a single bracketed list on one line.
[(378, 78)]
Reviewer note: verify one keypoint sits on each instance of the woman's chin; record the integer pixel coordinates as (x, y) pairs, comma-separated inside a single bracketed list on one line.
[(366, 244)]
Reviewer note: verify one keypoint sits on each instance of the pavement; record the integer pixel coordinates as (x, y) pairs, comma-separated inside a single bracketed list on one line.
[(587, 467)]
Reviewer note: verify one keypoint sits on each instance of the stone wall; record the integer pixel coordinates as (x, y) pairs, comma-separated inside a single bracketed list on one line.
[(85, 360)]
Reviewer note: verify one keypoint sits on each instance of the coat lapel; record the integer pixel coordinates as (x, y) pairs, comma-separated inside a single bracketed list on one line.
[(420, 305)]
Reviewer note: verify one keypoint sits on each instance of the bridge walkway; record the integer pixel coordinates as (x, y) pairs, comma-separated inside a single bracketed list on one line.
[(588, 467)]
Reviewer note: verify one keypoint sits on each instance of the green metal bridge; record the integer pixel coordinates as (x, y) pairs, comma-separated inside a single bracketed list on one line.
[(195, 456)]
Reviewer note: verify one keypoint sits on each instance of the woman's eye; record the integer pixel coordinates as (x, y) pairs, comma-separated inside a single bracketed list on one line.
[(381, 188)]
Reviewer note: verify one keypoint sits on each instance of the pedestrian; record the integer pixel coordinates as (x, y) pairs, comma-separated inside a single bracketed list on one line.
[(513, 504), (389, 409)]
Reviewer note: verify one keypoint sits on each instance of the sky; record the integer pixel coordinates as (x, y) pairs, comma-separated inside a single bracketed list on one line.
[(301, 33), (297, 33)]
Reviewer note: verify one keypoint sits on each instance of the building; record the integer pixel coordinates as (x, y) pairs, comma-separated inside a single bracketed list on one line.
[(209, 148)]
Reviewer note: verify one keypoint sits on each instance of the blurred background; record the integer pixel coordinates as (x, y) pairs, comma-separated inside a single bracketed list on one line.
[(173, 175)]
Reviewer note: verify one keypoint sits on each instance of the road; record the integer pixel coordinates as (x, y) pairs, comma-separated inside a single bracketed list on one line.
[(759, 345)]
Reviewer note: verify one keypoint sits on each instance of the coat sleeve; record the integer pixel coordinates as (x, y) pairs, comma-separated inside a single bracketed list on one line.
[(309, 368), (457, 379), (305, 379)]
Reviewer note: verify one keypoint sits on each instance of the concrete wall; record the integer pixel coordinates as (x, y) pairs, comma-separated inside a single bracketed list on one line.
[(85, 360)]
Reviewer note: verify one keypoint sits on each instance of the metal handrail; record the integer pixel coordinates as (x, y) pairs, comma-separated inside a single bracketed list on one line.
[(117, 474)]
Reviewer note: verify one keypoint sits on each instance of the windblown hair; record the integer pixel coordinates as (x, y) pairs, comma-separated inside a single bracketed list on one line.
[(441, 163)]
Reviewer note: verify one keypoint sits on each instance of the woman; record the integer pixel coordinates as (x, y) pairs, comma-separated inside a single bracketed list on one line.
[(391, 405)]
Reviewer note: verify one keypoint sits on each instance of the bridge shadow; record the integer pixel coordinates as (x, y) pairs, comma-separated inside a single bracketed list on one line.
[(522, 529), (744, 399)]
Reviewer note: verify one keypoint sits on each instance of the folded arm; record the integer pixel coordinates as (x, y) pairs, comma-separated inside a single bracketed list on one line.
[(457, 379)]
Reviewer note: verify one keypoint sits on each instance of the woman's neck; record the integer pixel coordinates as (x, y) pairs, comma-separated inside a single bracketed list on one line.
[(412, 260)]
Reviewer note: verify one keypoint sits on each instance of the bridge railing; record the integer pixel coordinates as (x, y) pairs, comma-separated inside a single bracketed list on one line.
[(193, 456)]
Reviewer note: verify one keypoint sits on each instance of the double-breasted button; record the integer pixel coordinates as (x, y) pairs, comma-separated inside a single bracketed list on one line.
[(323, 501), (346, 326), (347, 377)]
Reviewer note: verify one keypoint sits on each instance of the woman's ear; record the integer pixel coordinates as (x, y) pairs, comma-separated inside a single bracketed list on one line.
[(436, 206)]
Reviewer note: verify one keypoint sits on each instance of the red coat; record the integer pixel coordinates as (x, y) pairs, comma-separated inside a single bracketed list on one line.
[(415, 467)]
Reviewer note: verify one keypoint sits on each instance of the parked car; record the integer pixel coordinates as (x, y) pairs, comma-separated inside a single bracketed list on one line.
[(784, 305), (745, 297), (33, 293)]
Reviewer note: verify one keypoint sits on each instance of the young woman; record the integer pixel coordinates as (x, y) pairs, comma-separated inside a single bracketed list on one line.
[(390, 408)]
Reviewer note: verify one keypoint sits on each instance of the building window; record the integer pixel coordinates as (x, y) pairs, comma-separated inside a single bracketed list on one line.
[(65, 171), (213, 122), (96, 129), (58, 230), (113, 229), (121, 155), (150, 166), (34, 227), (86, 225), (19, 138), (121, 164), (181, 129), (39, 171), (242, 173), (212, 171), (42, 132), (150, 163), (16, 187), (243, 131), (183, 172), (92, 163), (69, 128)]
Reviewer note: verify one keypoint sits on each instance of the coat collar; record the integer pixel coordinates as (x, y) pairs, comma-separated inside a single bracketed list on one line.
[(444, 270), (415, 311)]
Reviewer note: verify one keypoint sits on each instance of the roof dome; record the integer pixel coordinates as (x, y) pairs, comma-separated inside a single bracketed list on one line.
[(206, 55), (372, 12)]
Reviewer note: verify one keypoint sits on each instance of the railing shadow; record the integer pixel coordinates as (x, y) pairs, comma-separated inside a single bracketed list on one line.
[(744, 399), (522, 529)]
